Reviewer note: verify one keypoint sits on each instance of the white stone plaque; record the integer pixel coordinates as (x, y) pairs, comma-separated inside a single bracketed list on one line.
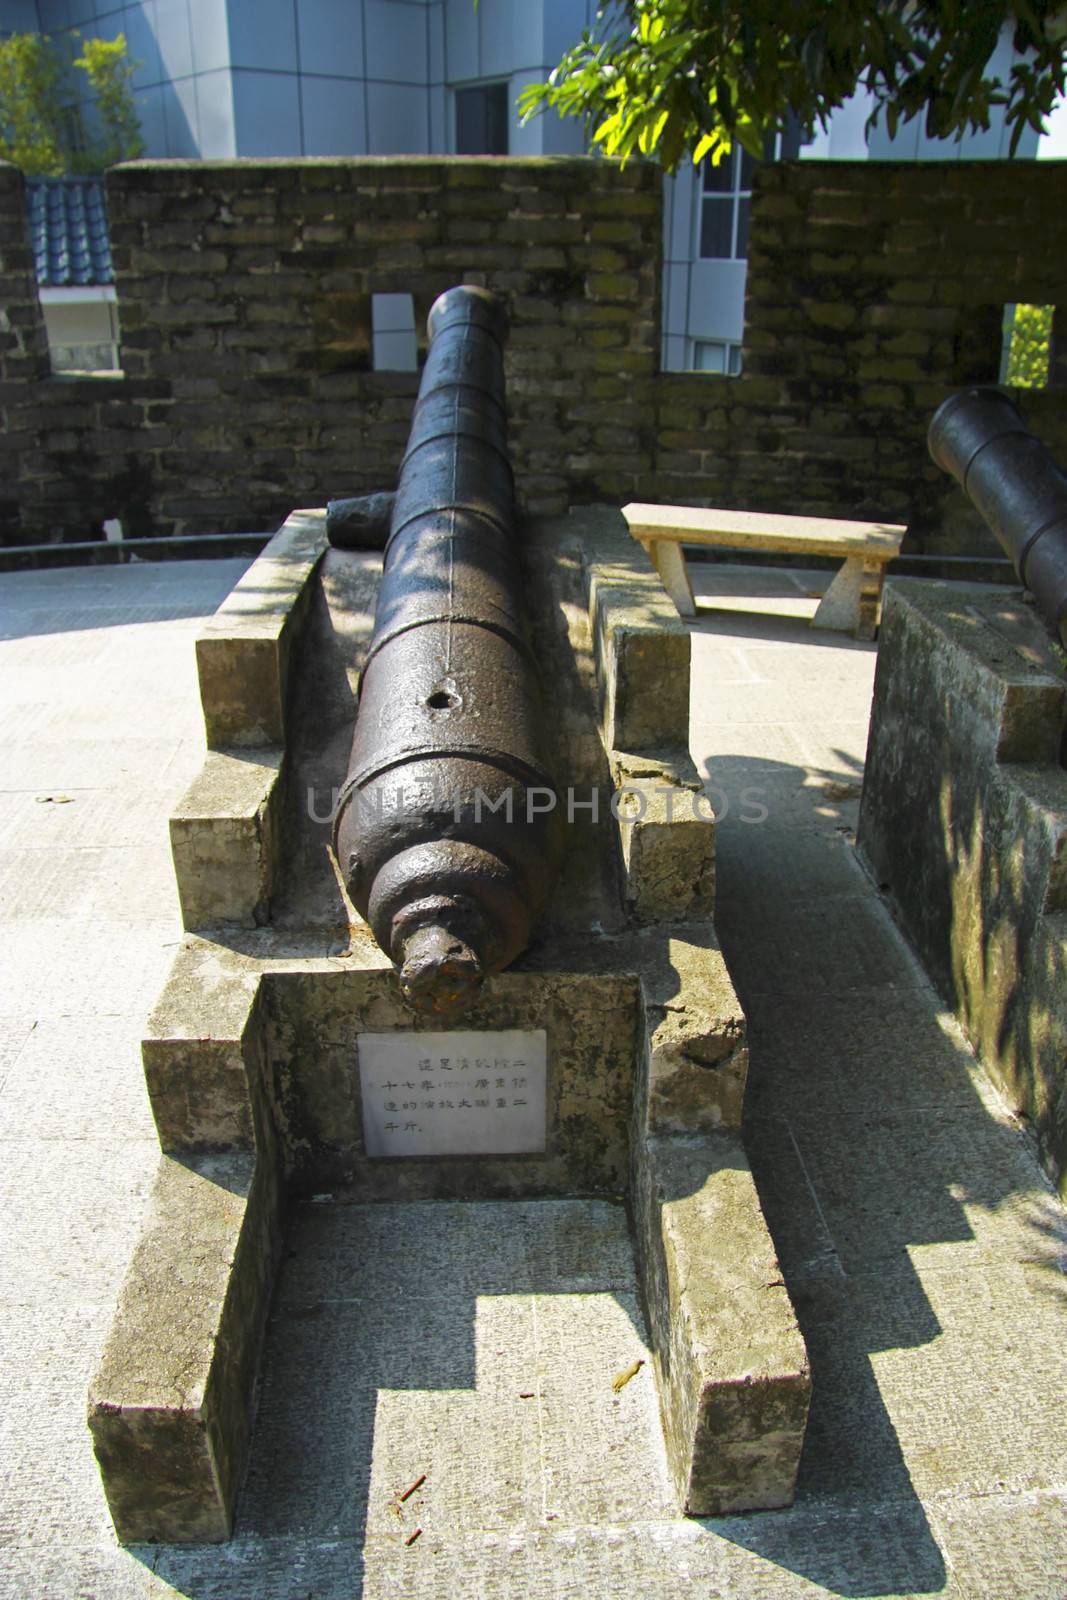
[(453, 1094)]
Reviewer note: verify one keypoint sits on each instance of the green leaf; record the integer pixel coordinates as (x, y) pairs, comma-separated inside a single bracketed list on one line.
[(681, 73)]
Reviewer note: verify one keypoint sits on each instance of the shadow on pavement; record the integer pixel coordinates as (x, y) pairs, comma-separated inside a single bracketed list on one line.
[(919, 1240), (460, 1351)]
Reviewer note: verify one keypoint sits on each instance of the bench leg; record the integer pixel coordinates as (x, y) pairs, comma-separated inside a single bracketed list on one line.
[(669, 562), (851, 603)]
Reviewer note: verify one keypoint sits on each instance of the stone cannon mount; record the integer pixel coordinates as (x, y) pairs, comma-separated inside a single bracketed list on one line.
[(251, 1054)]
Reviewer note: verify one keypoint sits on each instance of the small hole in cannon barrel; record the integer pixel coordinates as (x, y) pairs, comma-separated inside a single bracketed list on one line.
[(443, 700)]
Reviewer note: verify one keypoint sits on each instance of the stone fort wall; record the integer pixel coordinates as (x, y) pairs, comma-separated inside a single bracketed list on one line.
[(248, 385)]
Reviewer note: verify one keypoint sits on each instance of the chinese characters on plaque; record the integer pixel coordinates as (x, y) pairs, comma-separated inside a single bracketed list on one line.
[(453, 1094)]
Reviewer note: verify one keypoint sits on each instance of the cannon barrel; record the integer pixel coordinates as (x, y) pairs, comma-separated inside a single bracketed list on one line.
[(1012, 478), (447, 830)]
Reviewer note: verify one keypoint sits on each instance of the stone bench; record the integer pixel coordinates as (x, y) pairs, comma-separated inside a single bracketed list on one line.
[(852, 601)]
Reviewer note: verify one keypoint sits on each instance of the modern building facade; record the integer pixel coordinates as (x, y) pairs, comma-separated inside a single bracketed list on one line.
[(225, 78)]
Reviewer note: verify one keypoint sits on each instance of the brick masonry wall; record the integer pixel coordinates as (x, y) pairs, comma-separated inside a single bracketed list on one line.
[(245, 312), (245, 308), (23, 348), (874, 291), (71, 449)]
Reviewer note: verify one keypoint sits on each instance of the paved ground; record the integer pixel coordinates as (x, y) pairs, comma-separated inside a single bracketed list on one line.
[(923, 1249)]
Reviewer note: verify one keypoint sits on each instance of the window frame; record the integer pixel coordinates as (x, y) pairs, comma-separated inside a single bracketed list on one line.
[(784, 146), (731, 353)]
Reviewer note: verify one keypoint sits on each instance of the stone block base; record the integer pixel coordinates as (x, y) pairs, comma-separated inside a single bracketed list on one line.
[(252, 1057), (964, 825), (223, 838), (169, 1407), (734, 1384)]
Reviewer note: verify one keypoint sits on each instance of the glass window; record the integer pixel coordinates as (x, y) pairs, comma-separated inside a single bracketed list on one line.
[(744, 205), (718, 179), (724, 206), (728, 187), (717, 228), (394, 344), (482, 120), (717, 355)]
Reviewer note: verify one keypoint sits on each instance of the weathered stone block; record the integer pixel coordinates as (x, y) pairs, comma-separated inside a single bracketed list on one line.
[(832, 314), (203, 1055), (223, 837), (964, 823), (169, 1404), (667, 837), (694, 1062), (231, 1059), (642, 647), (731, 1364), (243, 653)]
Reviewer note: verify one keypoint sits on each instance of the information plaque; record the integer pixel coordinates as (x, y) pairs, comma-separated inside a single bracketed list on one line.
[(453, 1094)]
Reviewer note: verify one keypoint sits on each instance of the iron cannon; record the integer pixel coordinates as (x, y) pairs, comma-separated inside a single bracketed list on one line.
[(447, 830), (1012, 478)]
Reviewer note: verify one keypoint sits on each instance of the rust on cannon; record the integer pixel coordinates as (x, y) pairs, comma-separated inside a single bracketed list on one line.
[(447, 829)]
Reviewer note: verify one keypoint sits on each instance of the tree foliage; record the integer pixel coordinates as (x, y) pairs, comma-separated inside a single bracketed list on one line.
[(110, 71), (42, 129), (664, 78), (31, 133), (1027, 336)]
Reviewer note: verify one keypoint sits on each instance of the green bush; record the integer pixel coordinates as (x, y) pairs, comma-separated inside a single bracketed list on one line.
[(1030, 333), (41, 126)]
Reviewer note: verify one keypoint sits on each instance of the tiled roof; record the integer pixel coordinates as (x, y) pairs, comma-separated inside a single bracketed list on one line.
[(68, 228)]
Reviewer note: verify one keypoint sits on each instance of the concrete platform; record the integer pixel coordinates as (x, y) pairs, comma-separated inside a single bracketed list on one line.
[(922, 1247)]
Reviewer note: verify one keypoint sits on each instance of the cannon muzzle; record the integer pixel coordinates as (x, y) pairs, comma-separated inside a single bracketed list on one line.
[(447, 830), (979, 436)]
